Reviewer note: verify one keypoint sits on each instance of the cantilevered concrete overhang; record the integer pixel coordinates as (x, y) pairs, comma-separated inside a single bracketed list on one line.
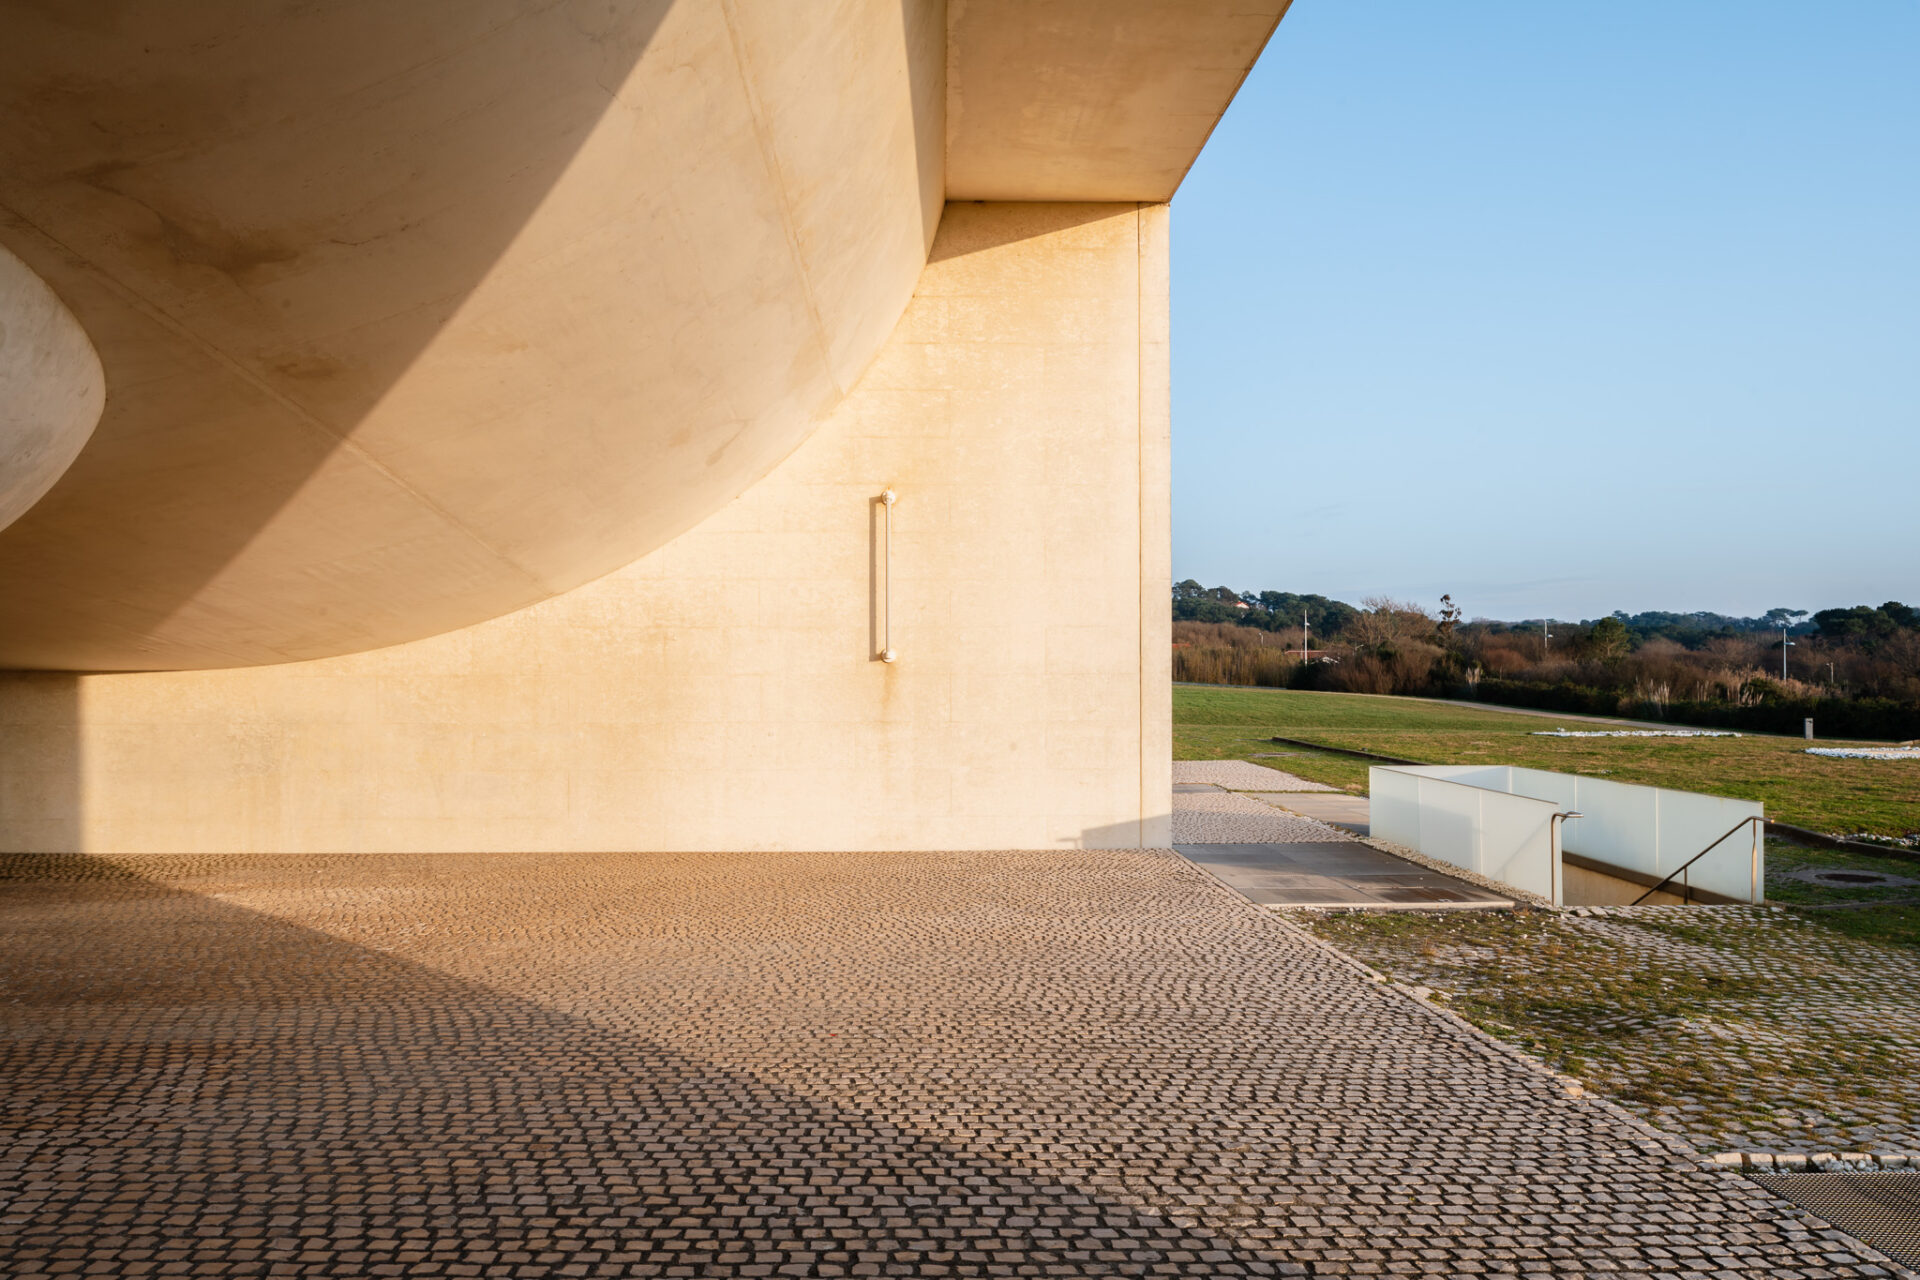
[(1091, 99), (411, 316)]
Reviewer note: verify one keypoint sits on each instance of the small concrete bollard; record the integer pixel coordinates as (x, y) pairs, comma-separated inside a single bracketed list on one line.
[(1809, 728)]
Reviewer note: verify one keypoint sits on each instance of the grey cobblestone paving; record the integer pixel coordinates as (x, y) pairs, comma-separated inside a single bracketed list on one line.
[(1739, 1028), (1241, 775), (1224, 817), (1031, 1064), (1838, 1012)]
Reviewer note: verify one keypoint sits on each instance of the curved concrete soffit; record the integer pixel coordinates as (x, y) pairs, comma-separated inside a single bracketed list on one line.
[(417, 315), (52, 389)]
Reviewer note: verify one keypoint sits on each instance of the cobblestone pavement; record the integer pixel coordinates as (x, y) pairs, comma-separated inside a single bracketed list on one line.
[(1036, 1064), (1740, 1028), (1226, 817), (1241, 775)]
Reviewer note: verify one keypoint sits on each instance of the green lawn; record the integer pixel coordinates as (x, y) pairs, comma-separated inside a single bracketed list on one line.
[(1210, 723), (1886, 914)]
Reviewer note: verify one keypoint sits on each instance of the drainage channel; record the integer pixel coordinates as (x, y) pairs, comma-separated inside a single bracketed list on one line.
[(1882, 1209)]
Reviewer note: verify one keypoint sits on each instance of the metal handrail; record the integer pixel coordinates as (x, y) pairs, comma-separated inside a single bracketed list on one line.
[(1688, 894), (887, 499), (1555, 852)]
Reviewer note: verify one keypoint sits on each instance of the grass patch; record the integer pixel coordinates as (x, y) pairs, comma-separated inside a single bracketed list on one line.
[(1810, 791), (1785, 863), (1236, 742), (1736, 1028), (1890, 925)]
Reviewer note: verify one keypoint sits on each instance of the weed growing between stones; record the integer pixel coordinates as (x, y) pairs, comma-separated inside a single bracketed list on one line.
[(1734, 1027)]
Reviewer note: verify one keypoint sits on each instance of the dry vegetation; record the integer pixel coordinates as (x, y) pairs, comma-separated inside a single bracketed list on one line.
[(1221, 653), (1853, 686), (1391, 648), (1740, 670)]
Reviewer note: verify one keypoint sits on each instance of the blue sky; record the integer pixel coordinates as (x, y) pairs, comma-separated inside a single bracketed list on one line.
[(1562, 308)]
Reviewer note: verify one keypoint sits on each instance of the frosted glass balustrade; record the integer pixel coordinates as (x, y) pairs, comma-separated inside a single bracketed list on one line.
[(1497, 820)]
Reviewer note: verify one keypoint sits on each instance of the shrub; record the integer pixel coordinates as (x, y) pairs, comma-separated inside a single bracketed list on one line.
[(1271, 668)]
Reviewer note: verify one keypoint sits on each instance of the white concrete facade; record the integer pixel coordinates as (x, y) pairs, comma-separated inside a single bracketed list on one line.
[(724, 692), (491, 399), (414, 315)]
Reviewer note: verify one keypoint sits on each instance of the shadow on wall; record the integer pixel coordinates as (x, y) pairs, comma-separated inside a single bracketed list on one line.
[(144, 166), (448, 121), (240, 1070), (1154, 832), (981, 234), (923, 29), (40, 761)]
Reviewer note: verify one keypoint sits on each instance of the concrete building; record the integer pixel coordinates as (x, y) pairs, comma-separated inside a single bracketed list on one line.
[(461, 425)]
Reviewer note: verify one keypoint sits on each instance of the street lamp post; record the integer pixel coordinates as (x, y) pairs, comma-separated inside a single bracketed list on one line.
[(1785, 644)]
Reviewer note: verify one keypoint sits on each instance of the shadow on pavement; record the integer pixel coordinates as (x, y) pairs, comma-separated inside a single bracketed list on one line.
[(190, 1081)]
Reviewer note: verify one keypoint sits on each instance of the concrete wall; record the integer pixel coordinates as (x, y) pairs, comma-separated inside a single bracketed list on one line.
[(1091, 99), (724, 691), (51, 388), (416, 314), (1591, 887)]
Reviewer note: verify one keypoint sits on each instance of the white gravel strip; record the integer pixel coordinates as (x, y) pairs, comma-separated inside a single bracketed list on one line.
[(1634, 733), (1866, 753)]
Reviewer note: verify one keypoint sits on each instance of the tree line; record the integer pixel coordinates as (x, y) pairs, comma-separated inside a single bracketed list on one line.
[(1265, 610), (1854, 670)]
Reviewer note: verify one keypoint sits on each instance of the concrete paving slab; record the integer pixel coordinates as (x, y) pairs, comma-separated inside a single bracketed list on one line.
[(1342, 810), (1333, 874), (1329, 858)]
